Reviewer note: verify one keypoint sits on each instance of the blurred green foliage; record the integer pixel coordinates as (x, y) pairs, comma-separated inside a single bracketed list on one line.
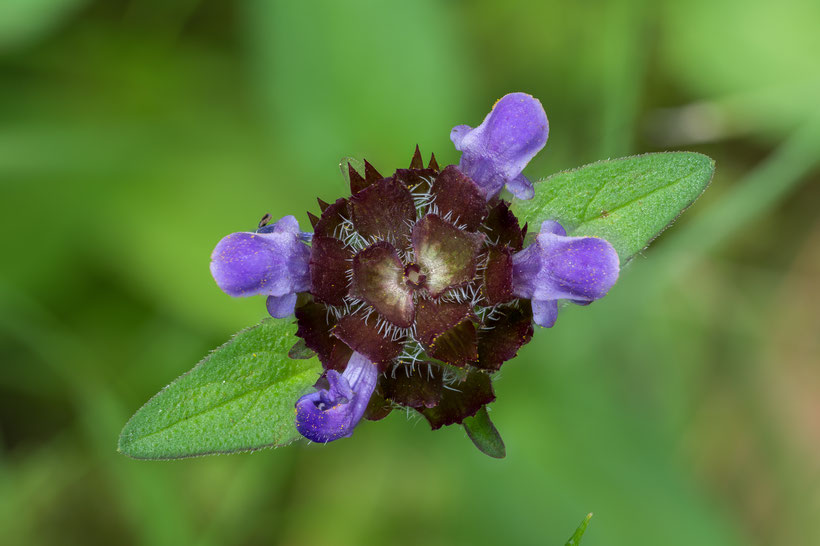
[(681, 409)]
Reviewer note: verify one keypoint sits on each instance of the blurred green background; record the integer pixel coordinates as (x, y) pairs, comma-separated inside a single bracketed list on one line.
[(683, 409)]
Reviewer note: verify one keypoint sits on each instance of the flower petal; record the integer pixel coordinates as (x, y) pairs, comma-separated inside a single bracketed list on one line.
[(378, 278), (580, 269), (273, 264), (495, 152), (521, 187), (545, 312), (447, 255), (458, 133), (330, 414), (575, 268), (281, 306)]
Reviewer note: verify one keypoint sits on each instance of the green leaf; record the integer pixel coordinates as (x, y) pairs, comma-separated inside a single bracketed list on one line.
[(575, 539), (484, 435), (626, 201), (239, 398)]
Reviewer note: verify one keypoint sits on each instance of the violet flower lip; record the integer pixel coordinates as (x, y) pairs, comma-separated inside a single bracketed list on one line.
[(495, 152), (333, 413), (272, 262), (579, 269)]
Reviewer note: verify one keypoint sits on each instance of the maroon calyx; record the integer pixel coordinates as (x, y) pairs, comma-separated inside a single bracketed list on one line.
[(446, 331), (498, 275), (419, 386), (363, 334), (329, 262), (414, 271), (503, 336), (378, 279), (501, 227), (447, 255), (462, 400), (384, 210), (314, 326), (414, 277), (458, 199)]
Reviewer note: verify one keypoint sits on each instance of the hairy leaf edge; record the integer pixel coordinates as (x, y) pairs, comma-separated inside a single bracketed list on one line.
[(628, 259), (122, 443)]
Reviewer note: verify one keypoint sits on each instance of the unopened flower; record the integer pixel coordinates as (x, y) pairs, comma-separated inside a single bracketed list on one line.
[(417, 287)]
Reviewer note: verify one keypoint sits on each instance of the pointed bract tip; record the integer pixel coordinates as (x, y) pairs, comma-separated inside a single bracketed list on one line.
[(357, 183), (417, 162), (371, 175)]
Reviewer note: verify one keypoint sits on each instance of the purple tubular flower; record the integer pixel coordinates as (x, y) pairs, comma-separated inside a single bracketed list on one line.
[(495, 152), (272, 262), (580, 269), (330, 414)]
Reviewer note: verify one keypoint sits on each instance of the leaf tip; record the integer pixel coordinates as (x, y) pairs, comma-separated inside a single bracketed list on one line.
[(481, 430), (575, 539)]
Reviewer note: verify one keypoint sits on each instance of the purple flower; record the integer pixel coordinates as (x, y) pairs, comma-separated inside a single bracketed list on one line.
[(413, 290), (273, 262), (495, 152), (579, 269), (330, 414)]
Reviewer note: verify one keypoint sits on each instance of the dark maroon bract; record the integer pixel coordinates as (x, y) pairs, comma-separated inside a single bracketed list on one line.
[(409, 273)]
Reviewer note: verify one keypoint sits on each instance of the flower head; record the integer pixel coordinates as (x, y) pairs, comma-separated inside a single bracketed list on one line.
[(333, 413), (579, 269), (413, 271), (272, 261), (495, 152), (417, 287)]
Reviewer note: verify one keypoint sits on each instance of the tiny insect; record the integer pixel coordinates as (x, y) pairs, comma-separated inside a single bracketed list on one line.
[(265, 220), (604, 213)]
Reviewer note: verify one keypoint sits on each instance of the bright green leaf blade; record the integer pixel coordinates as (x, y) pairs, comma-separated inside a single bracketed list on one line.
[(484, 435), (627, 201), (239, 398), (575, 539)]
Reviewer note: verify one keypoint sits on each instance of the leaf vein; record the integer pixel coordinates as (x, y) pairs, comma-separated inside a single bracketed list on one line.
[(642, 196)]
